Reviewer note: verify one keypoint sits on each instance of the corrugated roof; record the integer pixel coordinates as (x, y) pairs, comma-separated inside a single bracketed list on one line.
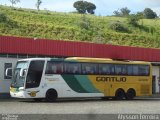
[(30, 46)]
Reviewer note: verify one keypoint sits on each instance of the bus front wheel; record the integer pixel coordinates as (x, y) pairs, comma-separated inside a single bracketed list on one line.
[(130, 94), (51, 95), (120, 94)]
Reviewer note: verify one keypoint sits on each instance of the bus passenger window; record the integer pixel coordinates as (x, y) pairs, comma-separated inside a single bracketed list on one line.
[(124, 71), (104, 69), (117, 70), (72, 68), (120, 69), (75, 69), (129, 70), (89, 68), (54, 68), (51, 68), (59, 67), (143, 70), (135, 69)]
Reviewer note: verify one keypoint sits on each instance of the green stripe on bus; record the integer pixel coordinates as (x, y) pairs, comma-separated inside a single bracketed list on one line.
[(86, 83), (74, 84)]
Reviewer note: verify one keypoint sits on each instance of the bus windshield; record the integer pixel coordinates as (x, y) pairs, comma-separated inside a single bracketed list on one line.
[(17, 80)]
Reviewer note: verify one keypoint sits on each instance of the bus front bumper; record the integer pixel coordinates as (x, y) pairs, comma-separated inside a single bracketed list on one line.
[(20, 94)]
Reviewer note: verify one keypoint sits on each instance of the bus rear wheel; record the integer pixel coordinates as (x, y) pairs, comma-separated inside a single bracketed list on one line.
[(51, 95), (120, 94), (130, 94)]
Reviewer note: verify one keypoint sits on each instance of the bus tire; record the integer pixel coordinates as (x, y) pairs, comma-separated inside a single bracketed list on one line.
[(51, 95), (120, 94), (130, 94)]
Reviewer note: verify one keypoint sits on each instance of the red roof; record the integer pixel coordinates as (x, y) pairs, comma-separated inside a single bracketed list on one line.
[(19, 45)]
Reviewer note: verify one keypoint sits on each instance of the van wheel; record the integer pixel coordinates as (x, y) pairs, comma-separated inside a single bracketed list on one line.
[(120, 94), (51, 95), (130, 94)]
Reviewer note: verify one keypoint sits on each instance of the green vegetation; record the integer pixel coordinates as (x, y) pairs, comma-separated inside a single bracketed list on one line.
[(84, 6), (149, 14), (79, 27)]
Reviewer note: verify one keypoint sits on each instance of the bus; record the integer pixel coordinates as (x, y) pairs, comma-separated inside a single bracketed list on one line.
[(78, 77)]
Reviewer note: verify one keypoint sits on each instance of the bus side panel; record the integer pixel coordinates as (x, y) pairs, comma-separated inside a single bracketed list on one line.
[(109, 84), (71, 86)]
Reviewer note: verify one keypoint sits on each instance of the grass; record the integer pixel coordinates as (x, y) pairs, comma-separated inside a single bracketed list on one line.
[(72, 26)]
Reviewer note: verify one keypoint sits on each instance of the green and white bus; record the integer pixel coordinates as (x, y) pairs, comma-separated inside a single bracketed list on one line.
[(73, 77)]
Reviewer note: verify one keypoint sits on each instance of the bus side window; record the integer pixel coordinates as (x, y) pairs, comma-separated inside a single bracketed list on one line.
[(129, 70), (120, 69), (135, 70), (59, 67), (104, 69), (54, 68), (72, 68), (124, 70), (48, 68), (112, 69), (143, 70), (89, 68)]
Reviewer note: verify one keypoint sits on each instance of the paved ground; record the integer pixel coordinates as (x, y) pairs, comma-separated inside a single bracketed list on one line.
[(87, 106)]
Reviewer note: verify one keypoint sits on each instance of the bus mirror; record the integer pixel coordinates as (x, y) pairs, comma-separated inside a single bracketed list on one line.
[(8, 72), (23, 72)]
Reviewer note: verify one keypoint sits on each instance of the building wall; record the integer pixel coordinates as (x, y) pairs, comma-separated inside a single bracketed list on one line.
[(156, 73), (4, 81)]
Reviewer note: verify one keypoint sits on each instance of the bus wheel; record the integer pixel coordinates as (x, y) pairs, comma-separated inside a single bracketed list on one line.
[(51, 95), (38, 99), (130, 94), (120, 94)]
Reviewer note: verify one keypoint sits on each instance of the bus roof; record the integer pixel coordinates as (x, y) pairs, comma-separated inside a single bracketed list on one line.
[(85, 59), (103, 60), (29, 59)]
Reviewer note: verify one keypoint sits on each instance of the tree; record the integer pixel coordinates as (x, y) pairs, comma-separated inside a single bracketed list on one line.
[(14, 2), (117, 13), (80, 6), (39, 2), (90, 7), (125, 11), (149, 14), (122, 12), (84, 6)]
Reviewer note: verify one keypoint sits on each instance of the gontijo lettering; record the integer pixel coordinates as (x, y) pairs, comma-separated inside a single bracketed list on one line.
[(111, 79)]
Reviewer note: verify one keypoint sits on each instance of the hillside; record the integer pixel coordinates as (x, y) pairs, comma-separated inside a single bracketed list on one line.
[(77, 27)]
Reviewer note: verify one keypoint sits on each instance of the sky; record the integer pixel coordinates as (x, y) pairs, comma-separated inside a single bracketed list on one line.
[(104, 7)]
